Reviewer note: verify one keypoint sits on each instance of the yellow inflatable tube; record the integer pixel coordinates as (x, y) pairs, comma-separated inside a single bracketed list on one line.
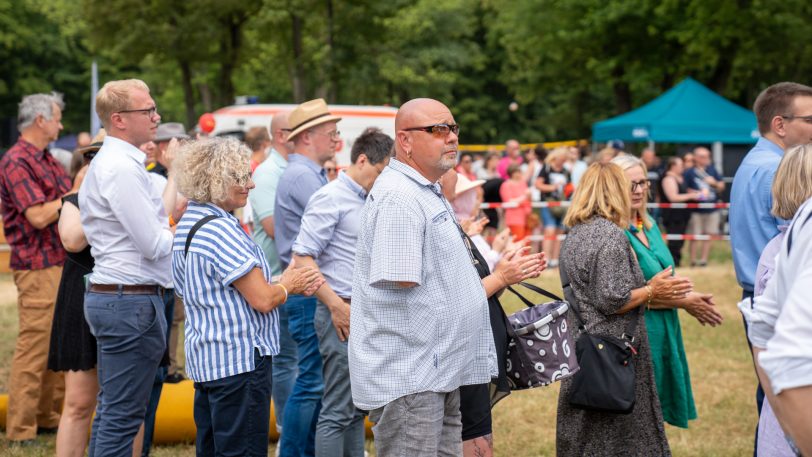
[(174, 420)]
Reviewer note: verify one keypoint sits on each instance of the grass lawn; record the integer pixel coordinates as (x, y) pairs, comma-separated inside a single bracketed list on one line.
[(524, 423)]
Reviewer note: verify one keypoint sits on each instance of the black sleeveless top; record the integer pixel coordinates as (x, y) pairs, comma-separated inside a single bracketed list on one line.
[(499, 386)]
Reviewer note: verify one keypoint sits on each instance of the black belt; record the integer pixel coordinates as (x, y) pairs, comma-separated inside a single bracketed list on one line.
[(125, 289)]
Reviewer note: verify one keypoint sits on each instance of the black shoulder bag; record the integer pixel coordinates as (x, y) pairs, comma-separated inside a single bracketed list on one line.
[(194, 230), (606, 380)]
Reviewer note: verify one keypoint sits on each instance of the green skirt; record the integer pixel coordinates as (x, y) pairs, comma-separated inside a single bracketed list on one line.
[(670, 366)]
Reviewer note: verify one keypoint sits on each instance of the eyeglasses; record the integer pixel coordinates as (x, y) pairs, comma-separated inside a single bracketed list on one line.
[(241, 179), (334, 136), (149, 111), (807, 119), (640, 184), (441, 130)]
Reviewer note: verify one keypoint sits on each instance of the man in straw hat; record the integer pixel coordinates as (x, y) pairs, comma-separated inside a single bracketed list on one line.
[(315, 137), (127, 226), (327, 241), (262, 199), (419, 323), (32, 184)]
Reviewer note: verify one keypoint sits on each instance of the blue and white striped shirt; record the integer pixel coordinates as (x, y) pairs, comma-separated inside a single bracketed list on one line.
[(221, 329)]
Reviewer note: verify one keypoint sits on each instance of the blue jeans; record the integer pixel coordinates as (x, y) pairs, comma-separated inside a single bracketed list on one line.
[(130, 333), (160, 376), (232, 414), (340, 430), (304, 403), (284, 368)]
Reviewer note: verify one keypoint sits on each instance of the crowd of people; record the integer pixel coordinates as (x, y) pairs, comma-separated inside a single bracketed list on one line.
[(548, 178), (374, 290)]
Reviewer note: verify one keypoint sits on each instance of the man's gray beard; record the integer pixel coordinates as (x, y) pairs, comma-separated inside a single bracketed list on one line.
[(446, 164)]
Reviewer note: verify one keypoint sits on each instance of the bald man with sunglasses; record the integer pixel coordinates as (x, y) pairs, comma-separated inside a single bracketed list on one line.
[(419, 327)]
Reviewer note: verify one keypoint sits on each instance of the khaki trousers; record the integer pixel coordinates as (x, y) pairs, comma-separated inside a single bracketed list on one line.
[(35, 393), (177, 318)]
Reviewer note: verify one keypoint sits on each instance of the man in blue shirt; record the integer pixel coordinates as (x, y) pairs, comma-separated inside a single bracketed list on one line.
[(328, 237), (784, 115), (703, 178), (315, 137), (263, 199)]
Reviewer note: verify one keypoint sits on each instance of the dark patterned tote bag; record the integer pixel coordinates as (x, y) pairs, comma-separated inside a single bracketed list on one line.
[(540, 351)]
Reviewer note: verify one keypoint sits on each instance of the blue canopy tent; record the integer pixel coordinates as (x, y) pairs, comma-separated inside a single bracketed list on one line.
[(687, 113)]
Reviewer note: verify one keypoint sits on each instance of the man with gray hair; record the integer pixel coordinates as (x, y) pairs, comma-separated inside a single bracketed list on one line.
[(125, 220), (32, 185)]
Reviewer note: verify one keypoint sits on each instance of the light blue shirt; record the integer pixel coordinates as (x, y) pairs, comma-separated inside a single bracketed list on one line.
[(752, 225), (434, 337), (222, 329), (329, 231), (299, 182), (263, 198)]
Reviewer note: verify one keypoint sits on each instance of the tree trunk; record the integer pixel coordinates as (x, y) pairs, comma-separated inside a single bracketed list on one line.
[(188, 92), (297, 78), (332, 83), (205, 96), (229, 48), (623, 94)]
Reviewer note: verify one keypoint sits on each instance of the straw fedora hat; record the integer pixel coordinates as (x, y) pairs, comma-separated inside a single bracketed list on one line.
[(307, 115), (94, 145), (465, 184)]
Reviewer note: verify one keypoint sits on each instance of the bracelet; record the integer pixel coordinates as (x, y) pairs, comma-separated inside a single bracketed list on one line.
[(172, 222), (650, 296), (284, 289)]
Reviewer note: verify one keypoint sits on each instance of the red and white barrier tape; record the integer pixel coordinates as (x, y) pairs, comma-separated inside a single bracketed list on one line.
[(650, 205), (668, 237)]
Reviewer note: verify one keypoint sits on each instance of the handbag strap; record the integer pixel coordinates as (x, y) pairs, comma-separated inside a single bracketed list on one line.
[(570, 296), (535, 289), (194, 230)]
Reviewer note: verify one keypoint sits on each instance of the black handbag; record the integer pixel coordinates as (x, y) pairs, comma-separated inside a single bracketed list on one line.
[(606, 380)]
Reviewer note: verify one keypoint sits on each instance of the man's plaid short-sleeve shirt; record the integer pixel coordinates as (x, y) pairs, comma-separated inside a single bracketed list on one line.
[(435, 336), (31, 176)]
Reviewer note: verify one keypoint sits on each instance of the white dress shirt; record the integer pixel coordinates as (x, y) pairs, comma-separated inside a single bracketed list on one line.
[(785, 306), (124, 220)]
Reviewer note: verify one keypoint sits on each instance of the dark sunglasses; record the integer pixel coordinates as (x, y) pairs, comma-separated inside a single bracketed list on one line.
[(438, 129)]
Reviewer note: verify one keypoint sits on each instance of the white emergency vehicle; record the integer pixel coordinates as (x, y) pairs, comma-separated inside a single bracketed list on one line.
[(237, 119)]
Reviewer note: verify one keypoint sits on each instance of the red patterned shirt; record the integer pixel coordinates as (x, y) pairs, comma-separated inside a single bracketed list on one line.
[(29, 177)]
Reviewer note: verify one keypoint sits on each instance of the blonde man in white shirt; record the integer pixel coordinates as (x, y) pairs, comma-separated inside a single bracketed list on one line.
[(125, 220)]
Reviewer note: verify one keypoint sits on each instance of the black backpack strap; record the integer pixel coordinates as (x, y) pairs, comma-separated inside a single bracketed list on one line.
[(194, 230), (790, 230)]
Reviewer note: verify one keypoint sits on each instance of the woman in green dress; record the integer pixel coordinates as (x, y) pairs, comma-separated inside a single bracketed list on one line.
[(662, 321)]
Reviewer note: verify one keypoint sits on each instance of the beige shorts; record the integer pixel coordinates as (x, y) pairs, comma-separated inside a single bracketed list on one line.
[(704, 223)]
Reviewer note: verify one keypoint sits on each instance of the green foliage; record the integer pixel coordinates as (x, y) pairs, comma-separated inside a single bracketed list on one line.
[(567, 63)]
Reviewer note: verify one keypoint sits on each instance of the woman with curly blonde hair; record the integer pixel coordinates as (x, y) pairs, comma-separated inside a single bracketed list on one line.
[(232, 327)]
